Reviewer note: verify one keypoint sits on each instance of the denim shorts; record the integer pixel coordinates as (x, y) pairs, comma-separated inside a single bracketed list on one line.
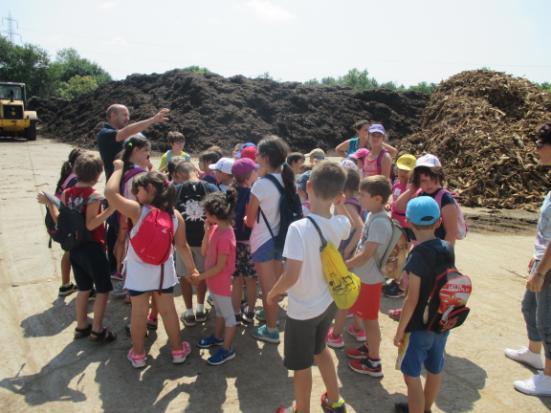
[(422, 348), (266, 252)]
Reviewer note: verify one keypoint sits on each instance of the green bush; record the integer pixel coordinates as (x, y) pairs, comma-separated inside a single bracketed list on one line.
[(76, 86)]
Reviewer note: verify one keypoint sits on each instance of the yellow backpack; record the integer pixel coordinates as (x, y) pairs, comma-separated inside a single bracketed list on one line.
[(344, 285)]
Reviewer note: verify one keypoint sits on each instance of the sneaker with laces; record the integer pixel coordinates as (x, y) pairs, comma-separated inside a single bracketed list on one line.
[(525, 356), (334, 341), (260, 316), (201, 316), (358, 334), (358, 353), (261, 333), (393, 290), (67, 289), (538, 385), (221, 356), (367, 366), (247, 318), (208, 342), (118, 290), (137, 360), (179, 356), (188, 319), (338, 407)]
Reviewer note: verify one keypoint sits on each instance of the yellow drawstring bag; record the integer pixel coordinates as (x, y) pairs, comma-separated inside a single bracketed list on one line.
[(344, 285)]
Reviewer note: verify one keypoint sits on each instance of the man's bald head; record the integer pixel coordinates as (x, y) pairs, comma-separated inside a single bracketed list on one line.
[(117, 115)]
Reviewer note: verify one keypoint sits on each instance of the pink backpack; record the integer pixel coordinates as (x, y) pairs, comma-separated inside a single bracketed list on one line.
[(153, 240)]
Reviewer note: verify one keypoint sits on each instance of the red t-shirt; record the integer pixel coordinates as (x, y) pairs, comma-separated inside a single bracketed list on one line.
[(397, 189), (78, 197), (221, 242)]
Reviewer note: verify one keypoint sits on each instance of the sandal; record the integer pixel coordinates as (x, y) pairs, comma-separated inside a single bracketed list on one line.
[(82, 332), (106, 336)]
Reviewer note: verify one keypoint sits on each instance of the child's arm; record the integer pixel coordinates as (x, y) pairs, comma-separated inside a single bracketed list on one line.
[(386, 166), (363, 256), (180, 242), (52, 208), (211, 272), (412, 298), (94, 218), (449, 220), (357, 226), (404, 198), (205, 241), (286, 281), (392, 151), (536, 278), (125, 206), (251, 211), (342, 147)]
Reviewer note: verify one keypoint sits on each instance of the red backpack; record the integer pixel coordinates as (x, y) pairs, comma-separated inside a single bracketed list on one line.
[(153, 240)]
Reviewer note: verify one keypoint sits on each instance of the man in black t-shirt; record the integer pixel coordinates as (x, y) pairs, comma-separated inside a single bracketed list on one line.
[(117, 128)]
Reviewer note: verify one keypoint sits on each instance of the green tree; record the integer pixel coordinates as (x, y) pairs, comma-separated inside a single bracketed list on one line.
[(76, 86), (68, 63), (27, 64)]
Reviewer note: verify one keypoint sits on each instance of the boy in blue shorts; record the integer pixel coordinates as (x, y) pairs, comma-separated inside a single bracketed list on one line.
[(418, 346), (311, 309)]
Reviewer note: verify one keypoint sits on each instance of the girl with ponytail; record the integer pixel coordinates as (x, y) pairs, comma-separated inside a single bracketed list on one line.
[(263, 216)]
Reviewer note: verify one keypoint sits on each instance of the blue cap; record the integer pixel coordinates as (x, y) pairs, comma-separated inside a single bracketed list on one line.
[(377, 128), (422, 210)]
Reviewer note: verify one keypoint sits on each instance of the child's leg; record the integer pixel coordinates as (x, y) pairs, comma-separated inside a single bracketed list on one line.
[(340, 320), (432, 388), (65, 268), (154, 312), (373, 335), (358, 323), (187, 293), (302, 382), (250, 282), (138, 321), (201, 292), (237, 292), (267, 273), (416, 397), (167, 310), (219, 327), (328, 374), (100, 305), (81, 307)]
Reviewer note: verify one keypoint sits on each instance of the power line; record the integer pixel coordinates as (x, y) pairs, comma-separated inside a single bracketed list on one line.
[(13, 28)]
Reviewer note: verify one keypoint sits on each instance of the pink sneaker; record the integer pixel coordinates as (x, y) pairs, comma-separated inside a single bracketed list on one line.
[(395, 314), (334, 341), (137, 360), (359, 335), (179, 356)]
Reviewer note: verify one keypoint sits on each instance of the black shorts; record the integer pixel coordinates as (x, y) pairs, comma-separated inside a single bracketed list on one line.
[(91, 268), (135, 293), (306, 338)]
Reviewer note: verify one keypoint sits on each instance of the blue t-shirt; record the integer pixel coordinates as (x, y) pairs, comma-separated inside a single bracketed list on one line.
[(242, 232), (427, 260), (108, 147)]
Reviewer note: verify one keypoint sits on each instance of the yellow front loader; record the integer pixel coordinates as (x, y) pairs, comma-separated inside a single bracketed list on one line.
[(15, 121)]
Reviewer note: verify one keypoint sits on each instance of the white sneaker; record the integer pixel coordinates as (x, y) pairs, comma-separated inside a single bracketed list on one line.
[(525, 356), (538, 385)]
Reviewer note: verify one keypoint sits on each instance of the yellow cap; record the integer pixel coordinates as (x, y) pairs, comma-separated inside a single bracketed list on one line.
[(406, 162)]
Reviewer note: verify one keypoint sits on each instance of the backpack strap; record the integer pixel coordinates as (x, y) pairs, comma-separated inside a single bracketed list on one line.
[(380, 161), (438, 197), (281, 190), (129, 174), (322, 238)]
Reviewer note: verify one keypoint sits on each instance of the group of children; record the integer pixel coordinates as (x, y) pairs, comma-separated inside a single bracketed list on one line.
[(233, 221)]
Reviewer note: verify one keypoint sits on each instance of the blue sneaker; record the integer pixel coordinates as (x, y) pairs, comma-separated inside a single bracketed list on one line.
[(262, 334), (221, 356), (208, 342)]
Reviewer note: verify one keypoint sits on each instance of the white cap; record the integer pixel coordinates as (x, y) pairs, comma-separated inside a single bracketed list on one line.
[(428, 160), (223, 165)]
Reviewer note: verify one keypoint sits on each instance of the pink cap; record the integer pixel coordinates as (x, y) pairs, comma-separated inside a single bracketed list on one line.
[(360, 153), (249, 152), (243, 166)]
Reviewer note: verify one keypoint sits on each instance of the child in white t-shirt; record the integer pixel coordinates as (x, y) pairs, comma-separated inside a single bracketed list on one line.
[(311, 308)]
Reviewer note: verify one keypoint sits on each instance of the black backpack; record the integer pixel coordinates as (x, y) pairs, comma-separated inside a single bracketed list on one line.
[(290, 210), (71, 228), (188, 203)]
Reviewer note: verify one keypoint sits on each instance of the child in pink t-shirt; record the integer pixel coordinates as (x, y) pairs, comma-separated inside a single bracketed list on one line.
[(219, 249)]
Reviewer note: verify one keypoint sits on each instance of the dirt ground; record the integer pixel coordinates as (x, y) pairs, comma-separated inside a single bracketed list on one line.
[(43, 369)]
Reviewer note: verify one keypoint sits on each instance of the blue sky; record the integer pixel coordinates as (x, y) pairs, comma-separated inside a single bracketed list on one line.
[(395, 40)]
